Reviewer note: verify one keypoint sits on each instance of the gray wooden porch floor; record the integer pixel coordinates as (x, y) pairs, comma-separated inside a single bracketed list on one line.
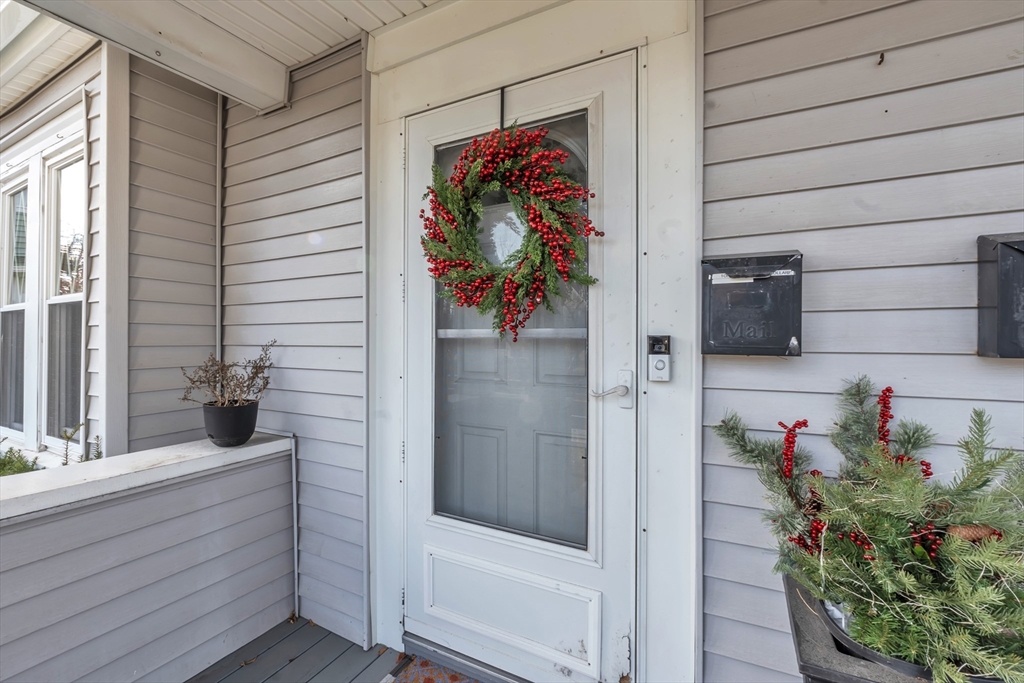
[(300, 653)]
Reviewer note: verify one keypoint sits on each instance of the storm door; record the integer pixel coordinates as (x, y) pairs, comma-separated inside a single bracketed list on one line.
[(521, 455)]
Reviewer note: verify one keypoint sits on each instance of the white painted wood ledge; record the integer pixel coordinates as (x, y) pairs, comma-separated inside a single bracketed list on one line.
[(33, 492)]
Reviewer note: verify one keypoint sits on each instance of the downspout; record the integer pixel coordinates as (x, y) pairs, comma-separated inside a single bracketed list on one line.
[(219, 231), (367, 616)]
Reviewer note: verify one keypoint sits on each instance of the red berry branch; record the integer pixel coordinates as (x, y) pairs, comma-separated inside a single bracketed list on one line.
[(789, 446), (545, 199)]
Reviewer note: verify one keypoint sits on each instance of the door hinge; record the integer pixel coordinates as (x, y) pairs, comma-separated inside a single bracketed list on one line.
[(403, 453), (403, 158), (403, 598)]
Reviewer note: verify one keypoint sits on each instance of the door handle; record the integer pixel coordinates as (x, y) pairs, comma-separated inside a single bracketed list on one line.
[(621, 390), (624, 390)]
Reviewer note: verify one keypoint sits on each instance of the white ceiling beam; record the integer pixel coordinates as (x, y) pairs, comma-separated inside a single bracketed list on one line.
[(171, 35)]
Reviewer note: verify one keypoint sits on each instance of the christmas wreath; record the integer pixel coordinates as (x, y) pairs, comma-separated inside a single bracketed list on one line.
[(544, 198), (931, 572)]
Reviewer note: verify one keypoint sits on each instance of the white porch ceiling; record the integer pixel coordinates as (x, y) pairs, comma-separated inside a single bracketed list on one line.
[(242, 48), (292, 31), (33, 48)]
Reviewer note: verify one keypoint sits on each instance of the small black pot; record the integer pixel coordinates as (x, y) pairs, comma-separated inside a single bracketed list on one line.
[(230, 425)]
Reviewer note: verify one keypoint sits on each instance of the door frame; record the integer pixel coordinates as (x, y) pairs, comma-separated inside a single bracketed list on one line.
[(668, 642)]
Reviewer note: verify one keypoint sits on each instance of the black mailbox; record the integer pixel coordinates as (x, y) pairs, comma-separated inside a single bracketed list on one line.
[(751, 304), (1001, 295)]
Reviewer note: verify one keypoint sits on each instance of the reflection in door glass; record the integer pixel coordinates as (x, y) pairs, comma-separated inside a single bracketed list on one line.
[(510, 419)]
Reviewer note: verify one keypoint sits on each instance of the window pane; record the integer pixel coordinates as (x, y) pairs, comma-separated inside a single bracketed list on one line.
[(18, 209), (71, 212), (12, 370), (64, 368), (511, 418)]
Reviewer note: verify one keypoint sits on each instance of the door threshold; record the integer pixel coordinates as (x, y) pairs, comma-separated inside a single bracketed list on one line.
[(439, 654)]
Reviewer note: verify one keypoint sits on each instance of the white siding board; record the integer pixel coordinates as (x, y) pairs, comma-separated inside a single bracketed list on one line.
[(309, 151), (911, 375), (293, 271), (162, 440), (332, 573), (976, 145), (936, 241), (937, 61), (725, 670), (305, 358), (322, 102), (145, 289), (319, 381), (323, 310), (304, 289), (748, 604), (981, 98), (173, 141), (882, 175), (321, 241), (911, 287), (776, 17), (157, 87), (154, 268), (169, 226), (159, 246), (737, 640), (348, 505), (158, 113), (171, 313), (330, 122), (865, 34), (741, 564), (962, 193), (304, 176), (339, 552), (170, 204), (177, 185), (313, 265), (300, 222), (145, 154), (164, 357), (331, 192)]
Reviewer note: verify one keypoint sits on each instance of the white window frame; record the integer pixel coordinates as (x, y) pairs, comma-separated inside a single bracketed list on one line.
[(33, 162)]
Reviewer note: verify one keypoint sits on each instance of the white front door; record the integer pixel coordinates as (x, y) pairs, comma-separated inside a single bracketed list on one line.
[(520, 484)]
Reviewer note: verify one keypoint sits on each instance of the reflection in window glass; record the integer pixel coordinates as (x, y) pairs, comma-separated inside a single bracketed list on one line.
[(70, 228), (12, 370), (510, 419), (18, 209), (64, 369)]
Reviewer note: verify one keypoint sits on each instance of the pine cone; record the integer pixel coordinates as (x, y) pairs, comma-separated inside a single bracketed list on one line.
[(972, 532)]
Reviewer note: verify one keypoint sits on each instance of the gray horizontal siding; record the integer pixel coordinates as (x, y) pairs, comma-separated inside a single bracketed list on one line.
[(883, 175), (155, 585), (293, 271), (172, 252)]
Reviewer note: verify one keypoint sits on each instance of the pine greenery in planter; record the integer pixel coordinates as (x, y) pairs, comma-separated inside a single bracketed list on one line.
[(931, 572), (14, 461)]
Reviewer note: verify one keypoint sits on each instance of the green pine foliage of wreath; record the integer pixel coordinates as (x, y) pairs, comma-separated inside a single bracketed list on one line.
[(918, 590), (514, 163)]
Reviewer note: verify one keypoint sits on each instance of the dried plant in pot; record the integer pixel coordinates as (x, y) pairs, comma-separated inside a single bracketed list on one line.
[(231, 393)]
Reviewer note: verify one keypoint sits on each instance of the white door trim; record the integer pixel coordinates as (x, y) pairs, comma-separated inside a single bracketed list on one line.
[(668, 642)]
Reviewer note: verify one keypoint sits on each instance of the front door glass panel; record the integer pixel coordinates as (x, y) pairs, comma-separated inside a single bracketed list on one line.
[(510, 419)]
